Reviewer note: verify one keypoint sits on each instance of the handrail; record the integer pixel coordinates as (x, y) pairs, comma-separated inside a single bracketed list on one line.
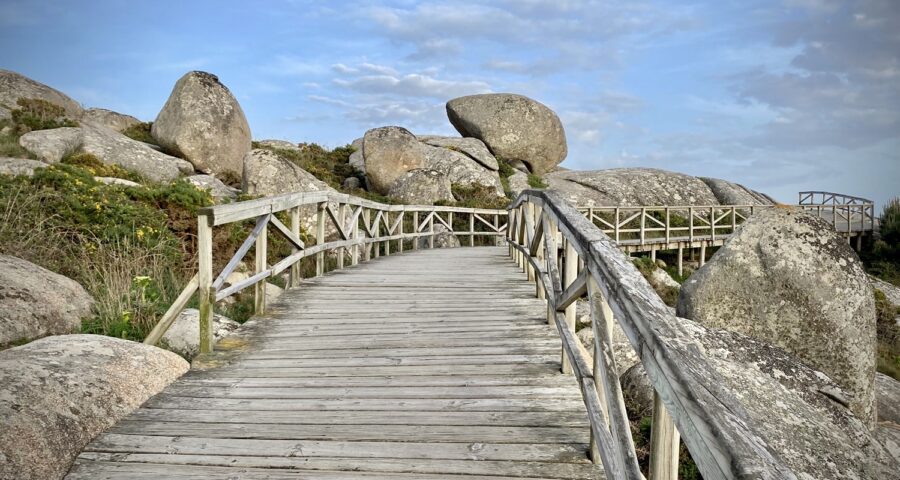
[(645, 225), (688, 392), (809, 198), (363, 228)]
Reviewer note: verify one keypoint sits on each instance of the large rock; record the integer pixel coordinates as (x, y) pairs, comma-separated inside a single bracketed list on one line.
[(54, 144), (513, 127), (443, 238), (14, 86), (786, 278), (887, 397), (204, 122), (267, 173), (58, 393), (109, 119), (518, 182), (637, 391), (389, 152), (356, 159), (183, 337), (36, 302), (728, 193), (218, 190), (19, 166), (471, 147), (112, 147), (422, 186), (460, 169), (282, 144), (630, 186)]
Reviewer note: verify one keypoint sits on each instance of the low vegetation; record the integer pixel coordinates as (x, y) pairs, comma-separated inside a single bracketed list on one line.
[(329, 166), (668, 294), (140, 132), (37, 114), (883, 258), (888, 347)]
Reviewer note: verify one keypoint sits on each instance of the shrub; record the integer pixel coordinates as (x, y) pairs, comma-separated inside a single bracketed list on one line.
[(505, 171), (9, 142), (329, 166), (534, 181), (476, 196), (38, 114), (95, 167), (883, 258), (140, 132), (888, 335)]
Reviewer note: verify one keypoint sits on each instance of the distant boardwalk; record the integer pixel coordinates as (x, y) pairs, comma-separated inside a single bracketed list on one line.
[(429, 364)]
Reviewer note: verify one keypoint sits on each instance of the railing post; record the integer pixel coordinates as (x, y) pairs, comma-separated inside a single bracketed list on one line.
[(377, 234), (664, 443), (431, 229), (415, 243), (472, 229), (295, 229), (712, 223), (702, 253), (354, 250), (680, 259), (367, 247), (259, 288), (402, 217), (570, 273), (320, 237), (205, 279), (690, 230), (342, 211), (387, 243), (617, 225), (643, 219), (668, 225)]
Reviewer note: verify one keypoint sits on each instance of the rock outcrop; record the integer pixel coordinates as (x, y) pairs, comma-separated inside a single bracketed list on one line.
[(421, 186), (513, 127), (390, 152), (52, 145), (786, 278), (460, 169), (218, 190), (37, 302), (887, 398), (282, 144), (109, 119), (183, 337), (518, 182), (630, 186), (267, 173), (58, 393), (14, 86), (728, 193), (356, 159), (112, 147), (443, 238), (19, 166), (204, 122), (471, 147)]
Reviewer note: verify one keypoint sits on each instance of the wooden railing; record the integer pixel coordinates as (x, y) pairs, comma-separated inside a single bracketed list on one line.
[(363, 230), (567, 256), (666, 224)]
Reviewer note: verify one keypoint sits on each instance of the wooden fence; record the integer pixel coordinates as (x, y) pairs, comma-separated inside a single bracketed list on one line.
[(567, 257), (363, 229)]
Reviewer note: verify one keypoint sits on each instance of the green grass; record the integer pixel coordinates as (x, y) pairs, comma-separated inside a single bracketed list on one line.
[(140, 132), (329, 166), (534, 181), (37, 114)]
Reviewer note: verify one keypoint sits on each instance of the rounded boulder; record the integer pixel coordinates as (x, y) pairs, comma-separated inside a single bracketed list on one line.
[(203, 121), (514, 127)]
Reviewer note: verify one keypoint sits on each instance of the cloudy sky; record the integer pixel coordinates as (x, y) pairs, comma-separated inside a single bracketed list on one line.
[(781, 95)]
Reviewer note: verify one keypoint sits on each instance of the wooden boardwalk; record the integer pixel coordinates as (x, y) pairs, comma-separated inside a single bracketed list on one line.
[(431, 364)]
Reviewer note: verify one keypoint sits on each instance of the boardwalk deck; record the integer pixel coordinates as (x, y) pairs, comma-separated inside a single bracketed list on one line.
[(420, 366)]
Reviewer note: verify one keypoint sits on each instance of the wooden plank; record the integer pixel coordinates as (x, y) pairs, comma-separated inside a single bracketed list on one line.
[(261, 223), (172, 312)]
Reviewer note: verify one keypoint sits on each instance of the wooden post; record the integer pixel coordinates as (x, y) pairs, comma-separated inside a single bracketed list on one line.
[(668, 225), (539, 290), (402, 217), (664, 443), (690, 226), (259, 288), (342, 211), (472, 229), (415, 244), (367, 247), (387, 244), (570, 273), (354, 251), (680, 261), (320, 237), (431, 229), (205, 279), (295, 229), (702, 253), (377, 244), (653, 254), (616, 225), (643, 219)]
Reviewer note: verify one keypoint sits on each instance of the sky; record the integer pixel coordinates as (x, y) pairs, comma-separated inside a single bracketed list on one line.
[(781, 96)]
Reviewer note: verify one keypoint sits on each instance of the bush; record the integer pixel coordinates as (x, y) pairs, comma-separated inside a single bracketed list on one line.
[(95, 167), (476, 196), (9, 142), (140, 132), (329, 166), (38, 114), (883, 258), (888, 335), (535, 181)]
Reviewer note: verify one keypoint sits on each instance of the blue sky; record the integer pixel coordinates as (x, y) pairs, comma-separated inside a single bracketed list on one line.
[(779, 95)]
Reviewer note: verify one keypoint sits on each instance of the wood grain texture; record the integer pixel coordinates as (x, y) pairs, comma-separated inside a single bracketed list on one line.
[(437, 363)]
